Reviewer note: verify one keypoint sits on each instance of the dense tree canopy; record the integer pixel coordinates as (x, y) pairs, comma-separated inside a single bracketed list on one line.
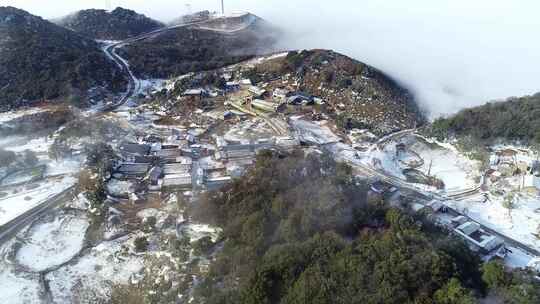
[(42, 61), (301, 229), (191, 49), (517, 119)]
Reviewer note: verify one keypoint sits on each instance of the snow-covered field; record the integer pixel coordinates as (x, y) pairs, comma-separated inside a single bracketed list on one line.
[(442, 161), (521, 223), (89, 280), (20, 199), (19, 288), (70, 165), (455, 170), (86, 280), (312, 132), (53, 241)]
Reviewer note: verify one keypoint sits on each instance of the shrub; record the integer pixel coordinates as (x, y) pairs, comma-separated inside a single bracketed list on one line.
[(141, 244)]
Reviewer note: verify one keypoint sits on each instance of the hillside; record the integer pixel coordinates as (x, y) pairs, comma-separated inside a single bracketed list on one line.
[(200, 47), (517, 119), (118, 24), (356, 94), (301, 229), (40, 60)]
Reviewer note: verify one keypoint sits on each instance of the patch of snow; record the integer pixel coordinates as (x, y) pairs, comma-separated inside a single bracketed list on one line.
[(314, 133), (19, 288), (454, 170), (197, 231), (65, 166), (8, 116), (18, 144), (89, 280), (149, 85), (52, 242), (520, 223), (516, 258), (80, 202), (120, 188)]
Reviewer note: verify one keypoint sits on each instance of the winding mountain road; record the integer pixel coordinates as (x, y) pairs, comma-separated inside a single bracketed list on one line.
[(134, 85)]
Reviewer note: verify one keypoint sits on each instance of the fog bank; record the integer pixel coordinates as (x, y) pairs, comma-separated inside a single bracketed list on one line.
[(451, 54)]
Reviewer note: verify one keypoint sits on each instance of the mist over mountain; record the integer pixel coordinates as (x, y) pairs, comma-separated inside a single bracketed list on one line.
[(100, 24), (40, 60), (451, 54)]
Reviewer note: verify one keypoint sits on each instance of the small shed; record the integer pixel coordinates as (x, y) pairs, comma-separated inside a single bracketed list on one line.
[(177, 168), (299, 100), (177, 180), (232, 86), (197, 93), (256, 91), (267, 105), (246, 82), (280, 94), (133, 169)]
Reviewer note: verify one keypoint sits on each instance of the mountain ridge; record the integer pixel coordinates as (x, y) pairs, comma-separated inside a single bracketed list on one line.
[(43, 61), (118, 24), (203, 46)]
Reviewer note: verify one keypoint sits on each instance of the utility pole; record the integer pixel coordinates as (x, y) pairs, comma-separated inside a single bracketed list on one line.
[(108, 5), (222, 7)]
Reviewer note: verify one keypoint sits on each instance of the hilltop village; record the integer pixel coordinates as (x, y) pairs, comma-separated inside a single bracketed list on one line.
[(204, 129), (100, 203), (150, 160)]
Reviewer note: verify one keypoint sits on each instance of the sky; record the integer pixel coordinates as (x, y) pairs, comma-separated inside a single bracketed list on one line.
[(450, 53)]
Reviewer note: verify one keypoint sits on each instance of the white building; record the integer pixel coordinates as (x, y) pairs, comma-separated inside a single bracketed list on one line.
[(280, 94), (256, 91), (177, 180)]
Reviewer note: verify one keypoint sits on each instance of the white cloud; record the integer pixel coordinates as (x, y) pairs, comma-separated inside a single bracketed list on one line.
[(451, 53)]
